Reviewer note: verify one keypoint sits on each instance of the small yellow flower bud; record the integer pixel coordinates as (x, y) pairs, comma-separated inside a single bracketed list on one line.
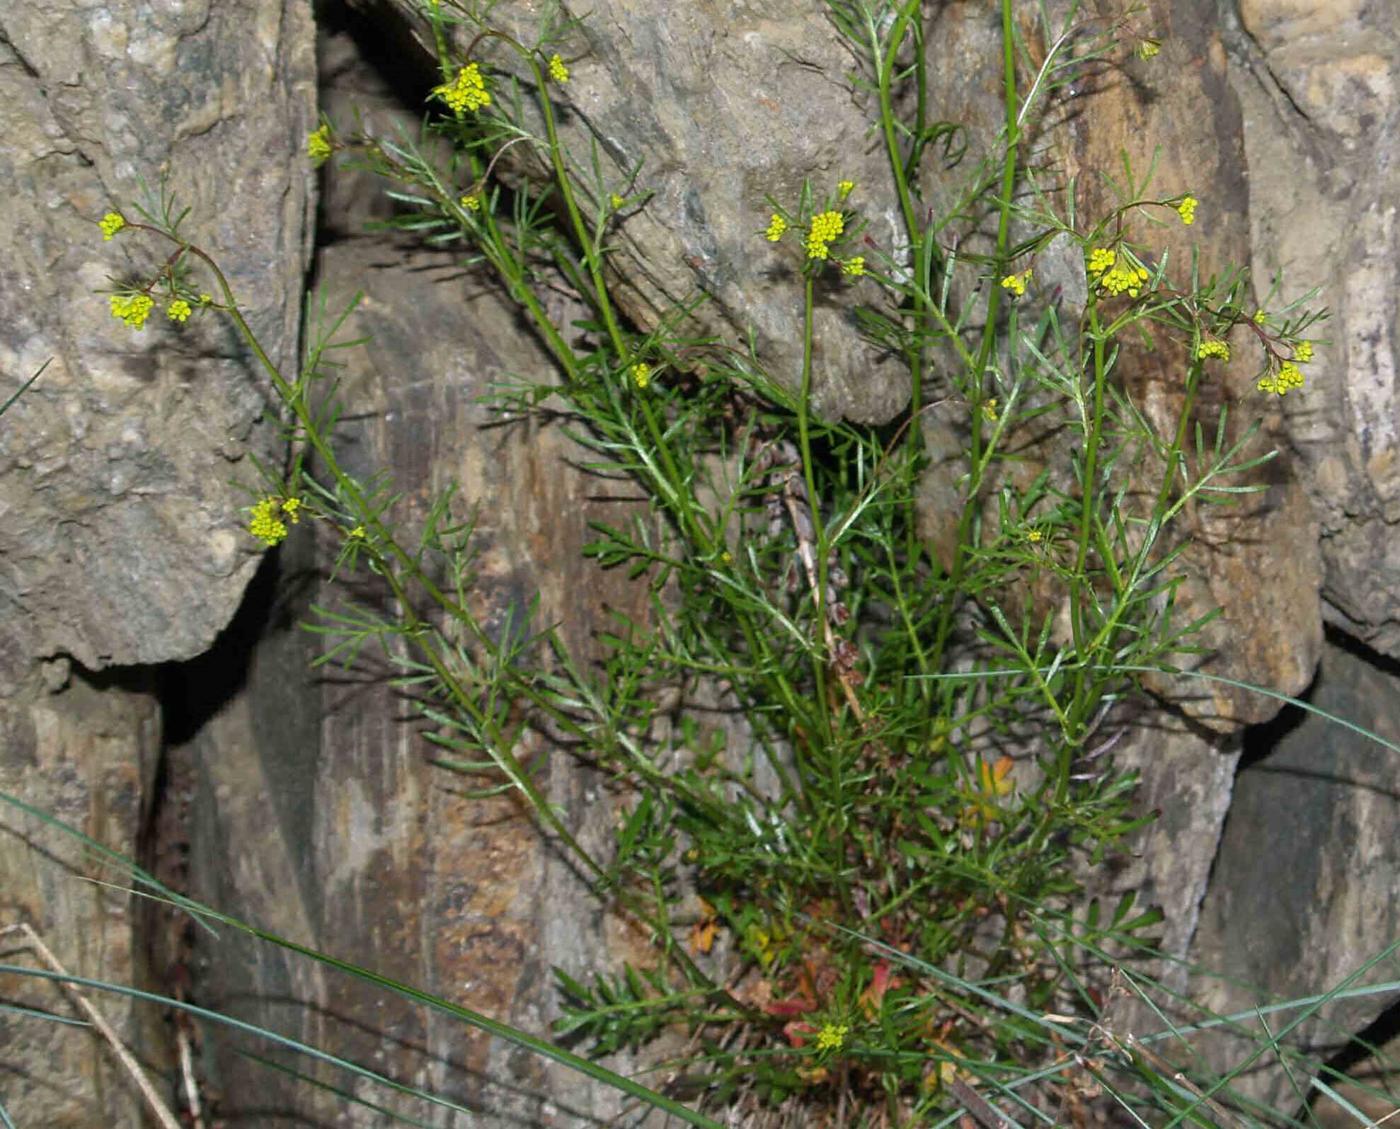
[(1017, 283), (318, 144)]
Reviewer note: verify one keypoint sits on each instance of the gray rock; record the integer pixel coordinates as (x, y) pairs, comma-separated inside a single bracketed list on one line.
[(120, 545), (1304, 890), (1319, 111)]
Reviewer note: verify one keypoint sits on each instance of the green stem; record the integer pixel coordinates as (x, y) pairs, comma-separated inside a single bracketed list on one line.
[(976, 377), (804, 438)]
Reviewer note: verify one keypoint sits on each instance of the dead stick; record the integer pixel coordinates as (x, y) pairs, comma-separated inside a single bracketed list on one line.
[(148, 1091)]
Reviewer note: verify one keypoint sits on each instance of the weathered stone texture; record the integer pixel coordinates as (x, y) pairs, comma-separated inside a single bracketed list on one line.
[(347, 834), (1317, 84), (1307, 883), (85, 753), (120, 543), (130, 439)]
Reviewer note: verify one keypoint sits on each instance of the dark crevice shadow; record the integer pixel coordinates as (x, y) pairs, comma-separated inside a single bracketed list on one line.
[(1367, 1057), (1260, 741)]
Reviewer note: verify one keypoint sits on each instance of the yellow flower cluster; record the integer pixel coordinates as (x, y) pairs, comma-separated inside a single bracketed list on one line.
[(844, 188), (318, 144), (467, 91), (471, 201), (1148, 48), (1187, 210), (1303, 352), (1288, 377), (776, 226), (178, 310), (1017, 283), (265, 525), (1101, 258), (133, 309), (616, 201), (989, 409), (854, 267), (1124, 277), (832, 1036), (110, 224), (557, 70), (641, 374), (826, 226), (1213, 349)]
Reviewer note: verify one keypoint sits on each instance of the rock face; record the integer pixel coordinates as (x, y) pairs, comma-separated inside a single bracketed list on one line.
[(1317, 91), (1304, 890), (313, 808), (120, 544), (365, 846)]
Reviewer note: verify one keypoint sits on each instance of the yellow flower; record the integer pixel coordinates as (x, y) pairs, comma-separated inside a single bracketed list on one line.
[(557, 70), (616, 201), (989, 410), (1187, 209), (1261, 316), (854, 267), (133, 309), (178, 310), (318, 144), (471, 201), (1213, 349), (832, 1036), (265, 525), (826, 226), (641, 374), (110, 224), (776, 226), (292, 508), (1288, 377), (1303, 352), (1017, 283), (844, 188), (1148, 48), (466, 92), (358, 533), (1101, 259), (1035, 537), (1124, 277)]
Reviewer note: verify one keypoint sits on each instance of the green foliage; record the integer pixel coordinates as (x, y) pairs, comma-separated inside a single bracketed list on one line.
[(899, 820)]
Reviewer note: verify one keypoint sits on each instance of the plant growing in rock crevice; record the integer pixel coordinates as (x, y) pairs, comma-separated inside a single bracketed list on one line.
[(833, 885)]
